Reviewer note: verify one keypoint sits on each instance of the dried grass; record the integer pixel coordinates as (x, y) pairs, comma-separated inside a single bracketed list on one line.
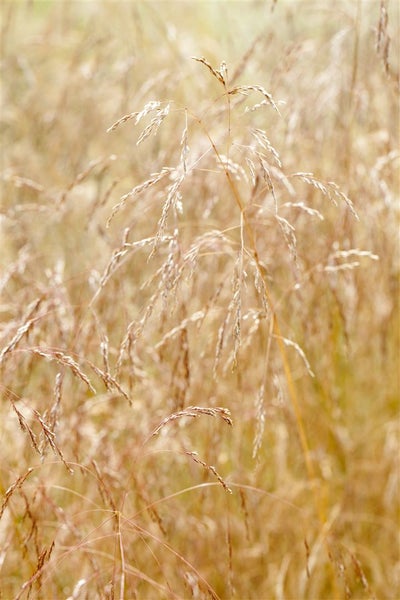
[(181, 270)]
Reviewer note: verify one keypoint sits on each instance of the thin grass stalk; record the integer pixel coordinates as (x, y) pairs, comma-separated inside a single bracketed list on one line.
[(301, 429)]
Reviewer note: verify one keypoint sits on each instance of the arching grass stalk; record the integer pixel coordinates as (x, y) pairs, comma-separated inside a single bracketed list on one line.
[(276, 330)]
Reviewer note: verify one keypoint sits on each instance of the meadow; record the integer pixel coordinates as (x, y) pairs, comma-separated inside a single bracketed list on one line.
[(199, 279)]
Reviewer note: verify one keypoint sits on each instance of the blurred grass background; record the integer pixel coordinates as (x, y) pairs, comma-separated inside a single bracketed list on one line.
[(139, 517)]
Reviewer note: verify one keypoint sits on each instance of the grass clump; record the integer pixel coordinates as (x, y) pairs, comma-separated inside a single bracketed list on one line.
[(199, 279)]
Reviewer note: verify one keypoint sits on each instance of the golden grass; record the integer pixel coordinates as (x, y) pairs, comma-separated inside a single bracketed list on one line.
[(199, 300)]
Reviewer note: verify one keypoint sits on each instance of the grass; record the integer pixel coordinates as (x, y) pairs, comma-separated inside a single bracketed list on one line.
[(199, 300)]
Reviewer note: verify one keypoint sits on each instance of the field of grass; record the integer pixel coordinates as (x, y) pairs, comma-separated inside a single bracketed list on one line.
[(199, 279)]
